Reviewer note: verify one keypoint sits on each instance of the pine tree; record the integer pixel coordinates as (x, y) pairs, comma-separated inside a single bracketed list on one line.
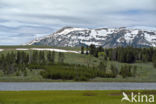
[(100, 49), (42, 59), (103, 61), (154, 60), (92, 50), (87, 50), (82, 49), (61, 58), (35, 57), (51, 57)]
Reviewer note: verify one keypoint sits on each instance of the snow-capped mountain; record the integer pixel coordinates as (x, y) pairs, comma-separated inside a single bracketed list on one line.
[(106, 37)]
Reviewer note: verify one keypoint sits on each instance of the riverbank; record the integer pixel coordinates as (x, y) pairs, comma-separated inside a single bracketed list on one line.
[(66, 97), (94, 80)]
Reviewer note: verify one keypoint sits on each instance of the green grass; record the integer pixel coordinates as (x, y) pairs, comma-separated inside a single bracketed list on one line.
[(32, 76), (72, 58), (65, 97), (145, 73)]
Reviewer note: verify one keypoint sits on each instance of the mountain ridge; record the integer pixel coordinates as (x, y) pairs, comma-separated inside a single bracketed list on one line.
[(105, 37)]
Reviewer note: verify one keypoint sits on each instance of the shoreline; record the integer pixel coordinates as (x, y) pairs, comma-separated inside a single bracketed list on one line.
[(68, 81)]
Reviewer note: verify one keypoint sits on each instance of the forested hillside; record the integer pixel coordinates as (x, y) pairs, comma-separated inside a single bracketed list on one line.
[(93, 63)]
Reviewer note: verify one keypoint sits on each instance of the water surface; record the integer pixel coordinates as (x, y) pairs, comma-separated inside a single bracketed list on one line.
[(26, 86)]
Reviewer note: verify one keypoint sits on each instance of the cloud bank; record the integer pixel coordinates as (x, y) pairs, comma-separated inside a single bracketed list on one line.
[(21, 20)]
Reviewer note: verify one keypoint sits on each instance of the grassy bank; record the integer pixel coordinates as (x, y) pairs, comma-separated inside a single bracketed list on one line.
[(65, 97)]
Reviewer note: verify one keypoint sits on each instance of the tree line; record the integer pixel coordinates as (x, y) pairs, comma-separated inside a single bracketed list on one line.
[(123, 54), (18, 61), (54, 67)]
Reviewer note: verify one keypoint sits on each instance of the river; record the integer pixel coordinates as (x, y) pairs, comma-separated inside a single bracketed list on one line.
[(28, 86)]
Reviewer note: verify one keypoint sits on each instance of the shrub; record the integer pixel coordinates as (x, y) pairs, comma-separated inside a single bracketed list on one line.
[(126, 71)]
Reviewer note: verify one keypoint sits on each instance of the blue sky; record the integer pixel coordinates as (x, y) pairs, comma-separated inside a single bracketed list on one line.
[(22, 20)]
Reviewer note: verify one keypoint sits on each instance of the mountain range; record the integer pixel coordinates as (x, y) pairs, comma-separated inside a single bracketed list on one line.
[(105, 37)]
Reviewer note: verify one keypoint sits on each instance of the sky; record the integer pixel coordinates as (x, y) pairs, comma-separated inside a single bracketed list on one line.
[(23, 20)]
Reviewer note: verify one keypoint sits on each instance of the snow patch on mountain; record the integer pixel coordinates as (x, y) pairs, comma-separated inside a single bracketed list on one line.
[(1, 50), (53, 49), (44, 49), (22, 49), (135, 32), (68, 30), (106, 37)]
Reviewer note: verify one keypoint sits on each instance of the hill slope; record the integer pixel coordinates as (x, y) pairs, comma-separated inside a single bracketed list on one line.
[(106, 37)]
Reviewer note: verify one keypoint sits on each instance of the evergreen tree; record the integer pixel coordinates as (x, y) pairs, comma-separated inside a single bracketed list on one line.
[(35, 57), (51, 57), (92, 50), (100, 49), (82, 49), (42, 59), (87, 50), (154, 60), (61, 58), (103, 62)]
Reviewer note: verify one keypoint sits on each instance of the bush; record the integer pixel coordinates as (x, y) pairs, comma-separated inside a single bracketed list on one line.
[(72, 72), (18, 73), (35, 66), (114, 70), (126, 71), (25, 73)]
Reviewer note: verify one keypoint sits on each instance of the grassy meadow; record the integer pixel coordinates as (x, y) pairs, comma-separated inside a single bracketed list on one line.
[(66, 97)]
